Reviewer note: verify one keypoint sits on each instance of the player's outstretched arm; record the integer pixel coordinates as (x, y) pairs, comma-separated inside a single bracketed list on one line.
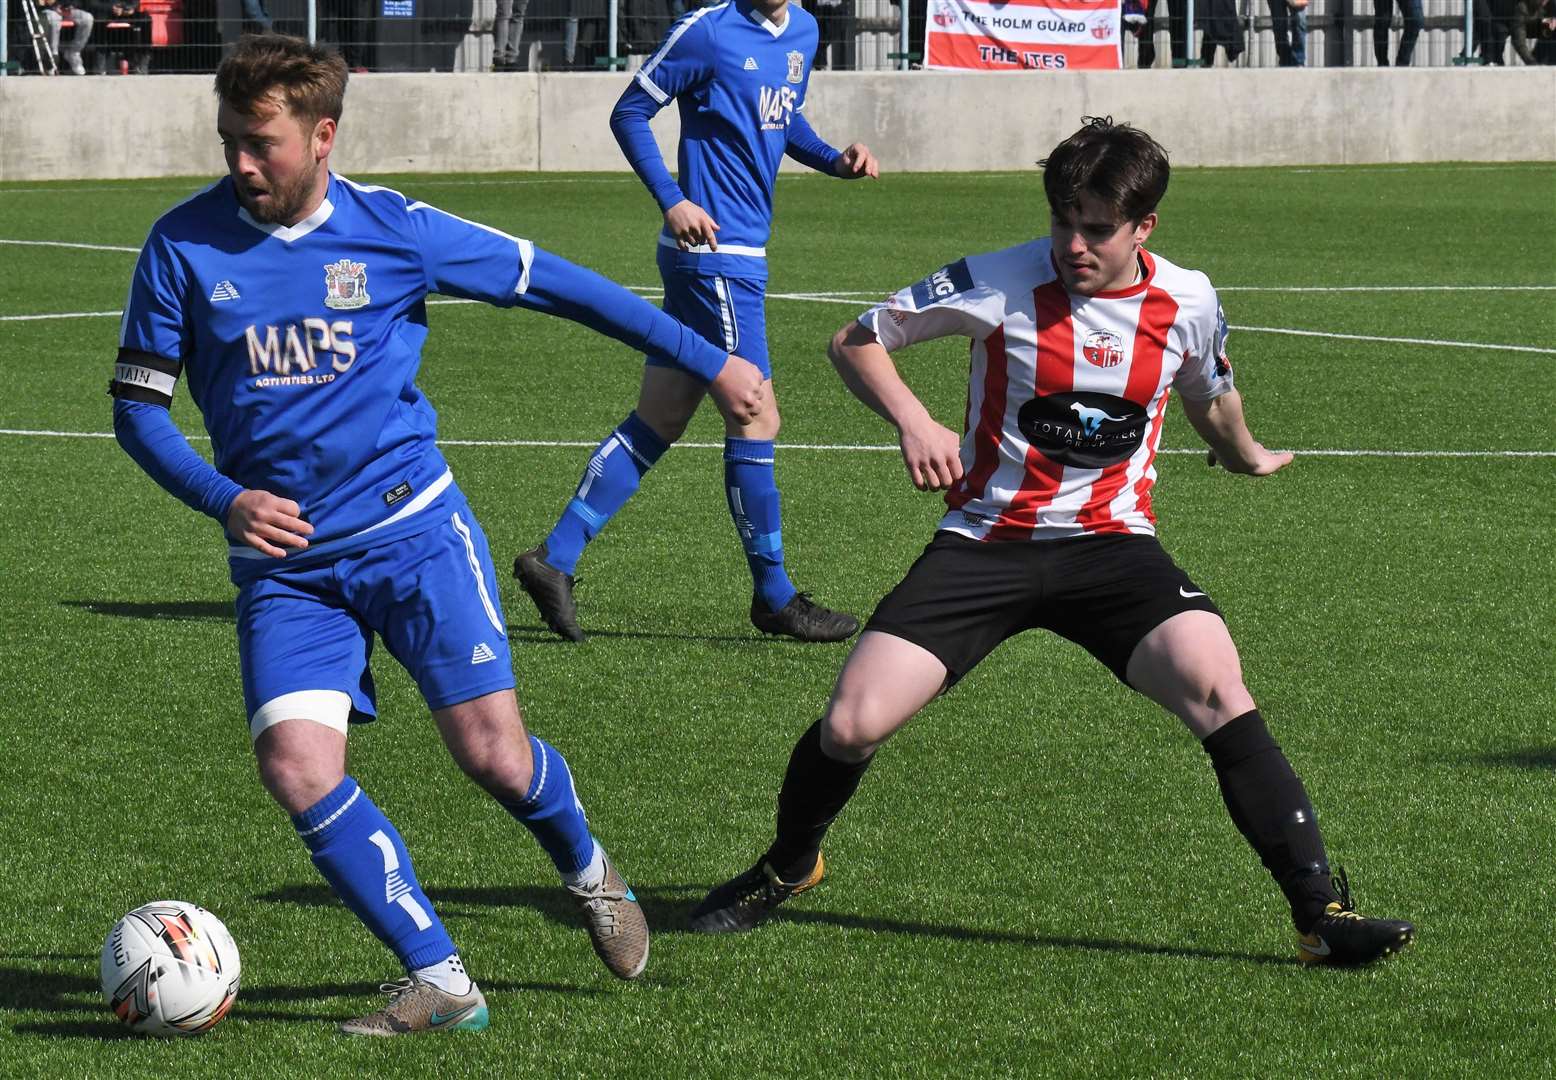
[(930, 451), (559, 287), (1221, 424)]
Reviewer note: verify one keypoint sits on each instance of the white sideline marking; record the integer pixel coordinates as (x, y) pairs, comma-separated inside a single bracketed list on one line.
[(1393, 340), (847, 297), (56, 191), (548, 444), (63, 244)]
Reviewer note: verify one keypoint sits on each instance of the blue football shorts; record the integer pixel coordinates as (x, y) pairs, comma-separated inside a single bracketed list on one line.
[(728, 311), (305, 635)]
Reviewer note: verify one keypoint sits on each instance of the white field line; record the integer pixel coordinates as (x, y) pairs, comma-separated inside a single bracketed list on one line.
[(581, 444), (847, 298), (63, 244), (57, 191)]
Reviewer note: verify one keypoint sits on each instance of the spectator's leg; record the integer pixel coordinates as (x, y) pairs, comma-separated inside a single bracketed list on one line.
[(1181, 33), (569, 41), (1383, 15), (1280, 27), (501, 21), (516, 29), (1407, 41), (1299, 38), (51, 19), (140, 31), (254, 12), (1145, 53), (72, 54)]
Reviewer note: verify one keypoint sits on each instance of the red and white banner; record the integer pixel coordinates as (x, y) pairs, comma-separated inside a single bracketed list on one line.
[(1016, 35)]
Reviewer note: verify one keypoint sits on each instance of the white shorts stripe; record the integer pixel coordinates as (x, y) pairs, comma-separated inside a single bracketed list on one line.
[(726, 315), (475, 569), (332, 708)]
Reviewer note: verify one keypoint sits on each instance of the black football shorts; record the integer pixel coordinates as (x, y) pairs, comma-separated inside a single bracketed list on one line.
[(963, 597)]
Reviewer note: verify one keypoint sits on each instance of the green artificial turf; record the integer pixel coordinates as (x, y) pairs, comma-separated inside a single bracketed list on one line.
[(1037, 876)]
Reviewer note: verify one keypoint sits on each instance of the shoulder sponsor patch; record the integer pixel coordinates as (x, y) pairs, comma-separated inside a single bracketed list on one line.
[(943, 284)]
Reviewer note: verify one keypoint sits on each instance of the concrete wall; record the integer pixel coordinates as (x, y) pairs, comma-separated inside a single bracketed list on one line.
[(165, 126)]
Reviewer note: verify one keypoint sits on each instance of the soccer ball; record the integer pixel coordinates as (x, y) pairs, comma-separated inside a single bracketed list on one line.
[(170, 968)]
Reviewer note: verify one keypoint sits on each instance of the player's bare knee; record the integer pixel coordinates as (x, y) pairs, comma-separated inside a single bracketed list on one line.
[(300, 745), (503, 774), (852, 729)]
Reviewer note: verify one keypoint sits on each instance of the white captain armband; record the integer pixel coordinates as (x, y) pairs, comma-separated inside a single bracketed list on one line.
[(144, 377)]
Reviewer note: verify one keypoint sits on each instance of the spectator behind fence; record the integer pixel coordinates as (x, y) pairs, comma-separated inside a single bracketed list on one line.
[(54, 15), (1383, 19), (1146, 57), (584, 33), (1219, 25), (507, 32), (644, 23), (1534, 31), (125, 32), (346, 24), (1493, 26), (256, 18), (1288, 21), (831, 25)]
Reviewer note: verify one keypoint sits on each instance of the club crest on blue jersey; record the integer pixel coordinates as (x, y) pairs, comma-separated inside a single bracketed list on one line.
[(1103, 348), (345, 285), (796, 67)]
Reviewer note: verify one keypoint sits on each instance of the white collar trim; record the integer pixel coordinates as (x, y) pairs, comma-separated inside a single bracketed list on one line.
[(289, 233), (775, 29)]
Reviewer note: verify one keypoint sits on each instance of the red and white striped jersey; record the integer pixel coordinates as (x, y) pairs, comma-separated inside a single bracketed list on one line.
[(1067, 394)]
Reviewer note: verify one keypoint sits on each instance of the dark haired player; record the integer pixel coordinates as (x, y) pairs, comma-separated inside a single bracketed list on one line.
[(740, 71), (1077, 340), (292, 300)]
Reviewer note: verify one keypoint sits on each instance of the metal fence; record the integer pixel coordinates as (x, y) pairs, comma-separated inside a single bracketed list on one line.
[(135, 36)]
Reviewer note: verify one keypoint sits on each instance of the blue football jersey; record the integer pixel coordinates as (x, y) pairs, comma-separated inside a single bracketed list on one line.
[(740, 82), (300, 346)]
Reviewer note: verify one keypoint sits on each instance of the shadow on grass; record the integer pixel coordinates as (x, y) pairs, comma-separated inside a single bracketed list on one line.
[(668, 910), (35, 987), (183, 610), (1533, 757)]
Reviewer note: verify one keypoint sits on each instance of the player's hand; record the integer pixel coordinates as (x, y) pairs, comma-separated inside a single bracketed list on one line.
[(691, 225), (739, 390), (1261, 463), (856, 162), (933, 455), (267, 523)]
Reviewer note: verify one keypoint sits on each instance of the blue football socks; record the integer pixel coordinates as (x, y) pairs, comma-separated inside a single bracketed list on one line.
[(753, 504), (551, 811), (362, 856), (610, 479)]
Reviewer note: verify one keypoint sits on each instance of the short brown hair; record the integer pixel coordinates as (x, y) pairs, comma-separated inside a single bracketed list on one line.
[(1119, 165), (309, 79)]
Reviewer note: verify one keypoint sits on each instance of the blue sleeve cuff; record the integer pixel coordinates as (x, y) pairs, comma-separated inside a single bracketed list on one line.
[(559, 287), (150, 437)]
